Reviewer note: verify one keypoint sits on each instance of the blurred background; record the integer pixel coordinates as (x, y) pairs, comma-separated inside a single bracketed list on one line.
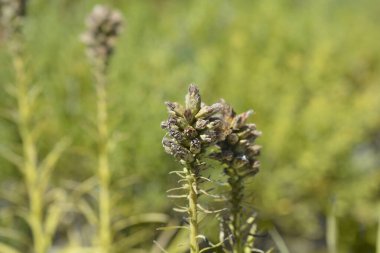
[(309, 69)]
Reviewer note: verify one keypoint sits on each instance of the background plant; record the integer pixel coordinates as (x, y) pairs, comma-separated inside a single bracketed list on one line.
[(191, 130), (238, 154), (310, 70), (44, 206), (103, 28)]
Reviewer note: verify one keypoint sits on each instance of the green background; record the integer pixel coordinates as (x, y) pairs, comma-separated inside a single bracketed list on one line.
[(309, 69)]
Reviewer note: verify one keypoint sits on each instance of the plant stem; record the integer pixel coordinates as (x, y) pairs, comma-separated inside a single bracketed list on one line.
[(193, 210), (278, 240), (236, 197), (378, 232), (331, 232), (103, 162), (29, 167)]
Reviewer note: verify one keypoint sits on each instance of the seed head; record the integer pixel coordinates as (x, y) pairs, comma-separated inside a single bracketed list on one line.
[(239, 144), (12, 13), (103, 26), (194, 127)]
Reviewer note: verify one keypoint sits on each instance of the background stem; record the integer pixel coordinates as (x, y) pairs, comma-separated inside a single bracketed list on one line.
[(378, 231), (103, 162), (29, 166), (331, 232)]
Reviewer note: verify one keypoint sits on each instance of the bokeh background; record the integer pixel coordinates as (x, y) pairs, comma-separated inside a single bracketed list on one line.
[(309, 69)]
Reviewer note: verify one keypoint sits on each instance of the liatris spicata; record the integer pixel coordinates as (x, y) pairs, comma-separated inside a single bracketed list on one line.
[(103, 27), (12, 13), (238, 152), (191, 130)]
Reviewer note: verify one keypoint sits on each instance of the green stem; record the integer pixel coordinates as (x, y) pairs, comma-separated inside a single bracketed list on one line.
[(103, 162), (331, 232), (378, 232), (236, 197), (193, 210), (30, 169)]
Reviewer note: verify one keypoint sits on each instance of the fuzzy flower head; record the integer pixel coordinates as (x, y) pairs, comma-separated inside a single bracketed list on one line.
[(192, 128), (12, 13), (239, 151), (103, 27)]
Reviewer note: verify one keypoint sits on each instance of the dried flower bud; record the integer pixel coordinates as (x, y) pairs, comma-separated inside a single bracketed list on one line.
[(103, 27), (209, 137), (193, 99), (253, 150), (216, 124), (239, 162), (225, 156), (190, 132), (232, 138), (173, 148), (208, 111), (240, 119), (195, 146), (167, 144), (179, 136), (174, 108), (189, 116), (201, 124)]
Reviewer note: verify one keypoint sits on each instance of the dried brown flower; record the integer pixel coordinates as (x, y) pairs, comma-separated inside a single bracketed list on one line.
[(103, 27), (12, 13), (193, 127), (238, 150)]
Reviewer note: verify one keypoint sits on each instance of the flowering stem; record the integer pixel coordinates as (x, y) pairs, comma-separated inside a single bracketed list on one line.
[(378, 231), (235, 201), (193, 210), (103, 161)]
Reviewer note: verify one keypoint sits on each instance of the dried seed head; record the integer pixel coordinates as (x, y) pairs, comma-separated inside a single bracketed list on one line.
[(239, 152), (12, 13), (103, 27), (195, 126), (240, 142)]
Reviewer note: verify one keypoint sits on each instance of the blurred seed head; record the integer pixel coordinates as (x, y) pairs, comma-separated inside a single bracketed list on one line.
[(12, 13), (103, 26)]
